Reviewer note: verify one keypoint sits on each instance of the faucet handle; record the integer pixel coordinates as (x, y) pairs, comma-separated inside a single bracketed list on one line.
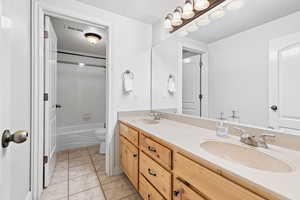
[(243, 133)]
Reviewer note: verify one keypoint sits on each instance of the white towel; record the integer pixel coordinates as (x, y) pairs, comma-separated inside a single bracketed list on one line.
[(127, 83), (171, 85)]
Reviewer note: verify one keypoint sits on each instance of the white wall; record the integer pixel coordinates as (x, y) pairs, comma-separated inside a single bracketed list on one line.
[(81, 92), (238, 70), (130, 48)]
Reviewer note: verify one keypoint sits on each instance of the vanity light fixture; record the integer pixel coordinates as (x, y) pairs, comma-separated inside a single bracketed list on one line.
[(176, 21), (93, 38), (235, 5), (203, 21), (188, 9), (168, 22), (218, 14), (201, 4)]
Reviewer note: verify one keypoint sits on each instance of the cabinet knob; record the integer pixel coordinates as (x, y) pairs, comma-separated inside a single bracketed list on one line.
[(176, 193), (135, 155)]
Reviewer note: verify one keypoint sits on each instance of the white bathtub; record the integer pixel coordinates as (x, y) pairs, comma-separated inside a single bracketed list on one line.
[(79, 136)]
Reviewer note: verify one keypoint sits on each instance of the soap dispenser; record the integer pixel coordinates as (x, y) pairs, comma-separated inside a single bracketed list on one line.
[(221, 130)]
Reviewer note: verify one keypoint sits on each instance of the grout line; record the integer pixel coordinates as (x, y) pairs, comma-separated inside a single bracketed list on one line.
[(85, 190), (101, 186)]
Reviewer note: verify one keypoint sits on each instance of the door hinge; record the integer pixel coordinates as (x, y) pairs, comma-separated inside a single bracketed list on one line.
[(46, 97), (45, 160), (200, 96), (46, 34)]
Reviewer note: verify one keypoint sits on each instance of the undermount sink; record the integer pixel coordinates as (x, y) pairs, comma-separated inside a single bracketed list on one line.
[(246, 156), (149, 121)]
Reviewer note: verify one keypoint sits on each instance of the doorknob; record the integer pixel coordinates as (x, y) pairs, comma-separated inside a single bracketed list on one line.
[(274, 108), (17, 137)]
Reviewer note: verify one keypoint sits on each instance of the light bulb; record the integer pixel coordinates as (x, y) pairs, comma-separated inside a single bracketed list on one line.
[(176, 21), (192, 28), (204, 21), (217, 14), (235, 5), (168, 22), (188, 10), (201, 4)]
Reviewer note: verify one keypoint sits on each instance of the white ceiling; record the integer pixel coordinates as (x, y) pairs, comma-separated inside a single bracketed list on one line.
[(71, 40), (254, 13), (147, 11)]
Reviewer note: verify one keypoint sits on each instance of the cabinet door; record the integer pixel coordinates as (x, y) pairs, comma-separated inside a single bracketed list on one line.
[(183, 192), (129, 160)]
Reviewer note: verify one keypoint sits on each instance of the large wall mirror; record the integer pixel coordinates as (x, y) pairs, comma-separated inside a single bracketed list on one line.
[(243, 67)]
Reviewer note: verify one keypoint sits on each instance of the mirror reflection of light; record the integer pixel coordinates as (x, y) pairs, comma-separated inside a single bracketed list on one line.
[(6, 22), (291, 52)]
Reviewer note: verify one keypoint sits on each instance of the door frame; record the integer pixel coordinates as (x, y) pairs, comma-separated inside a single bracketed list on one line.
[(197, 47), (40, 9)]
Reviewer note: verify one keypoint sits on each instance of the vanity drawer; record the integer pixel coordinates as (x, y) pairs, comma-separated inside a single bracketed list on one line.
[(157, 175), (158, 152), (147, 191), (129, 133), (183, 192), (210, 184)]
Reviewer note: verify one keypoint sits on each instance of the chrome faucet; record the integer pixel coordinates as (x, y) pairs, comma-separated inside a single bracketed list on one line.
[(252, 140)]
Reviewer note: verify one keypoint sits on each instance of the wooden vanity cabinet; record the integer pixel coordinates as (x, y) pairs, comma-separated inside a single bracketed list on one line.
[(129, 160), (163, 172)]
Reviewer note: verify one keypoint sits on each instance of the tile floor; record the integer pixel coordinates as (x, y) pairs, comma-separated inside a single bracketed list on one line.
[(80, 175)]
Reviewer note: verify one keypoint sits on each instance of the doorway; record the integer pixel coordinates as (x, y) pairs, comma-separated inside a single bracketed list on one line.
[(191, 83), (74, 92)]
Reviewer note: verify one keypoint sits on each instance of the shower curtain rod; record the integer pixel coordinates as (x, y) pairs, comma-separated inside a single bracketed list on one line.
[(77, 54), (81, 64)]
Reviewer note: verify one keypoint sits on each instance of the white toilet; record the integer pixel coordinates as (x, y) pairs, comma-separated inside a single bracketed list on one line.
[(101, 134)]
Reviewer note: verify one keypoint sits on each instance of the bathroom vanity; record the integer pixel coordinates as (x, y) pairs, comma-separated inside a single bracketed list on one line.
[(168, 159)]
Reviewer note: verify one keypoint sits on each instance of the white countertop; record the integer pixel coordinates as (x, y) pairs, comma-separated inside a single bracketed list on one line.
[(189, 138)]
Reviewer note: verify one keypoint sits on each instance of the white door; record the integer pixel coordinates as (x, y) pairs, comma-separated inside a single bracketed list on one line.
[(284, 83), (15, 162), (191, 83), (50, 100)]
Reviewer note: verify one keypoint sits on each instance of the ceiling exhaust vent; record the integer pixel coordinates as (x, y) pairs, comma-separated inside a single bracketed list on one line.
[(73, 28)]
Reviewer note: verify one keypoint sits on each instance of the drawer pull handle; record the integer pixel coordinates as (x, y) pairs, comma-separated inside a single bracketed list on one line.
[(134, 155), (152, 149), (151, 173), (176, 193), (149, 197)]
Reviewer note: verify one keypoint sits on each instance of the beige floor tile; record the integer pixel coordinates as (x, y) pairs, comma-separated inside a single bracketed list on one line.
[(104, 179), (133, 197), (83, 183), (118, 189), (91, 194), (80, 152), (79, 161), (59, 175), (98, 156), (99, 165), (56, 192), (61, 165), (61, 156), (93, 149), (81, 170)]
